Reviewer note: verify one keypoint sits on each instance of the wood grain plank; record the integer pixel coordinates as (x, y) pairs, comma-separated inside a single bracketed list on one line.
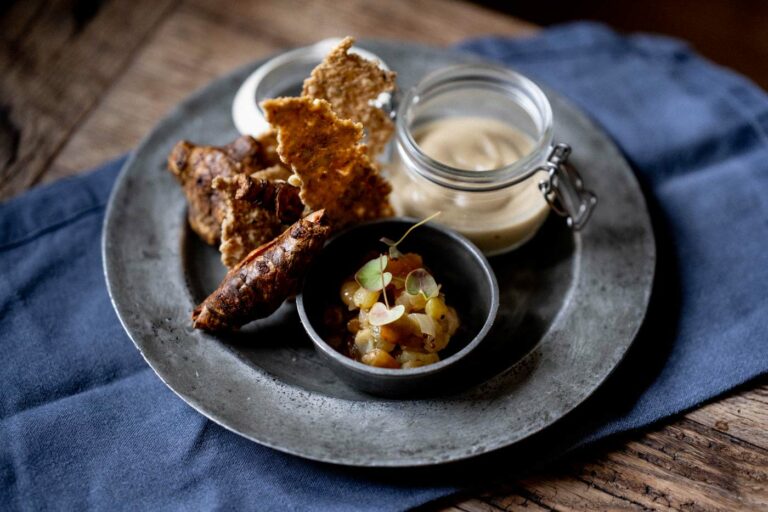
[(563, 494), (204, 39), (743, 416), (473, 505), (294, 22), (695, 463), (54, 73), (684, 466), (19, 19), (177, 60), (485, 502)]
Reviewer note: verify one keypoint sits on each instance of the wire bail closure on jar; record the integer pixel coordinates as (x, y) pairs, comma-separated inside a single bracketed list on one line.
[(564, 189)]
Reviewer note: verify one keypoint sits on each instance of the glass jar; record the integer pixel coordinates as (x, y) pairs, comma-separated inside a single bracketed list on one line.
[(501, 208), (284, 75)]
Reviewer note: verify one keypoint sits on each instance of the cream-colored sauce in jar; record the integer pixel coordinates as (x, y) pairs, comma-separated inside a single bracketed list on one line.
[(496, 221), (472, 143)]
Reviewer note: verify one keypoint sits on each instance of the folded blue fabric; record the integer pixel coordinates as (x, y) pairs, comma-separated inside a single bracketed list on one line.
[(85, 424)]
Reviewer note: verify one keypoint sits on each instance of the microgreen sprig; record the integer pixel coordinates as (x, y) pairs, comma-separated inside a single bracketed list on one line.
[(382, 315), (372, 277), (419, 281), (394, 253), (383, 285)]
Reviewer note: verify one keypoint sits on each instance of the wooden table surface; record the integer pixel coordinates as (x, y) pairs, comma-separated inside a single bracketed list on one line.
[(82, 82)]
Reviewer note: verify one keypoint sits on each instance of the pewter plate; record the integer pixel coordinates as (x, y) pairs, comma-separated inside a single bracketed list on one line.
[(571, 305)]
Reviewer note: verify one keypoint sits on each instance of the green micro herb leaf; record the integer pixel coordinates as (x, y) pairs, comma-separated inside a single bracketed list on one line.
[(371, 275), (380, 314), (394, 252), (421, 281)]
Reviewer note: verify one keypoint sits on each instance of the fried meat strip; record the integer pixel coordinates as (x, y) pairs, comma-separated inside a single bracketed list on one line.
[(256, 210), (255, 154), (351, 84), (257, 286), (326, 155), (274, 173), (195, 167)]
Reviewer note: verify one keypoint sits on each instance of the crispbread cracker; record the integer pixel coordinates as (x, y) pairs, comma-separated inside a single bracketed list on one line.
[(325, 153), (351, 83), (244, 226)]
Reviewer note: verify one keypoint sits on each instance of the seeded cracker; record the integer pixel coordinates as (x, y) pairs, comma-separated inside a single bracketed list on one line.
[(350, 83), (256, 211), (325, 153)]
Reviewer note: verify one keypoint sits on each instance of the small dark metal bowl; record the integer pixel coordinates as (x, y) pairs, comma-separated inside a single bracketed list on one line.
[(459, 267)]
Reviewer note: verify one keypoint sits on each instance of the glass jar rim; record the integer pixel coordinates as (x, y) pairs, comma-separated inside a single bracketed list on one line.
[(247, 114), (473, 75)]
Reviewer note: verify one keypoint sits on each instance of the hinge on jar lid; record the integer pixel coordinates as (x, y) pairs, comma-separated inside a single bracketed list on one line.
[(564, 189)]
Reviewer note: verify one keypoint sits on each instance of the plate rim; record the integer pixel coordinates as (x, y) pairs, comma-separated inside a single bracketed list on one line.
[(109, 270)]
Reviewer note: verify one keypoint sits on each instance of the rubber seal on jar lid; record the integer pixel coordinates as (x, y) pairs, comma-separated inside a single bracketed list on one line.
[(283, 75)]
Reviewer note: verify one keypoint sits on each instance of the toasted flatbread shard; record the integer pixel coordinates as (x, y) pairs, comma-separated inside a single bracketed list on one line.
[(351, 84), (332, 165), (256, 211), (244, 227), (269, 274)]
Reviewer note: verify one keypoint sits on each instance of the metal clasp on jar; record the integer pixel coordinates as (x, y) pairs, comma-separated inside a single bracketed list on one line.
[(564, 189)]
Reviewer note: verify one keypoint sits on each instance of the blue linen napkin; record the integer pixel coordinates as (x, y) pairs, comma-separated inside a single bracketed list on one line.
[(84, 423)]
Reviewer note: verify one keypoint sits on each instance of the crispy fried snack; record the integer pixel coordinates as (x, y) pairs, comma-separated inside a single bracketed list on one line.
[(350, 84), (274, 173), (195, 167), (257, 286), (256, 210), (326, 155), (255, 154)]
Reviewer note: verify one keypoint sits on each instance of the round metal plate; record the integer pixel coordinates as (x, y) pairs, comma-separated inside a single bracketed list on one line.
[(571, 305)]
